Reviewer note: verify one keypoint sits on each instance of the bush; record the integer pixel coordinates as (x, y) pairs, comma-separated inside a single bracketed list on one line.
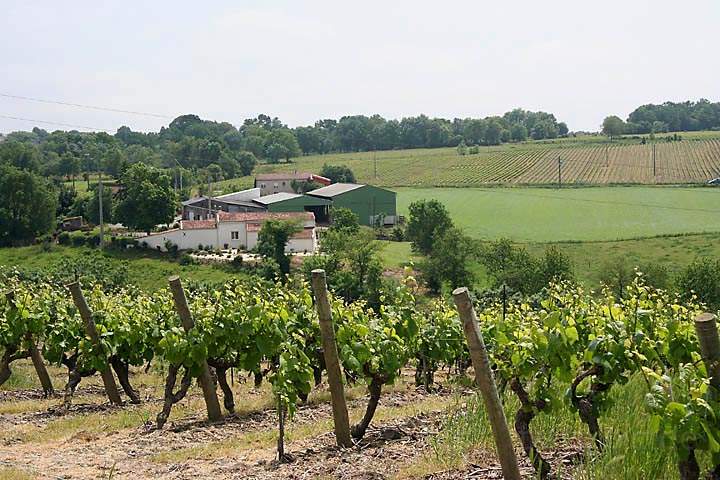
[(171, 248), (701, 277), (237, 262), (77, 240), (616, 274), (64, 238), (513, 266), (474, 150), (186, 259), (397, 234)]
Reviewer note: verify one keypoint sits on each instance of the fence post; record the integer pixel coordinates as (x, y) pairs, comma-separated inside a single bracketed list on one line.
[(707, 333), (206, 382), (332, 363), (486, 382), (107, 377)]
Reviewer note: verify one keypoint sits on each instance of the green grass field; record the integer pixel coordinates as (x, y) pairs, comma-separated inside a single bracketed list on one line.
[(575, 214), (589, 258), (147, 269)]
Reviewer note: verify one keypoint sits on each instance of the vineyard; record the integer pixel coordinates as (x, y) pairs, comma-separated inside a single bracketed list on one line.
[(563, 341), (687, 161)]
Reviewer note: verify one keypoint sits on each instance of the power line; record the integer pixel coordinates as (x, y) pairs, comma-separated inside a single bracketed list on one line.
[(55, 123), (79, 105)]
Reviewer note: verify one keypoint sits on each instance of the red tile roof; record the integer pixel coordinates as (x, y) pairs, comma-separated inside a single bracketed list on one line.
[(198, 224), (254, 227), (284, 176)]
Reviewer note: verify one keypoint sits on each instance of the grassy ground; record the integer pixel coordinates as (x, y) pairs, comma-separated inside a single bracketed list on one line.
[(90, 440), (588, 258), (147, 269), (576, 214)]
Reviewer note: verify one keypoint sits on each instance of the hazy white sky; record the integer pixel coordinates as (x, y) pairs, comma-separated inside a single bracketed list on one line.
[(302, 61)]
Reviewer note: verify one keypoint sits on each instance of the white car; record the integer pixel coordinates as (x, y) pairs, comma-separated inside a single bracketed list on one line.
[(714, 181)]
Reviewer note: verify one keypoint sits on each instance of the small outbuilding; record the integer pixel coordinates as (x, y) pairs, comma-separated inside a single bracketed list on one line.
[(371, 204)]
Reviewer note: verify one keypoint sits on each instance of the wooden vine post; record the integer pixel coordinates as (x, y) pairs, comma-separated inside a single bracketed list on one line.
[(485, 380), (707, 333), (107, 377), (332, 363), (35, 355), (205, 379)]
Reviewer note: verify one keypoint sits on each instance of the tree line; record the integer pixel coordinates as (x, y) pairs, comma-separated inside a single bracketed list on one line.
[(685, 116), (206, 149)]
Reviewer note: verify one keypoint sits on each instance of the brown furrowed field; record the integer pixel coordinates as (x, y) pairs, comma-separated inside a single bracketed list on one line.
[(584, 162)]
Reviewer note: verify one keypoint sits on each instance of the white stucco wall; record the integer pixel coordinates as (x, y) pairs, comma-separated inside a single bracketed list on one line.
[(184, 239), (217, 238)]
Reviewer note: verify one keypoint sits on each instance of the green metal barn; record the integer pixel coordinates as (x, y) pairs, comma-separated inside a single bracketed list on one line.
[(294, 202), (369, 203)]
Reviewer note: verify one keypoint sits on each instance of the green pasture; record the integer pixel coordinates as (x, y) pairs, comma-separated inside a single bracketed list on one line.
[(575, 214)]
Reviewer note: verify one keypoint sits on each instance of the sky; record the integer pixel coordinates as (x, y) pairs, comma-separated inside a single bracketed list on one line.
[(306, 60)]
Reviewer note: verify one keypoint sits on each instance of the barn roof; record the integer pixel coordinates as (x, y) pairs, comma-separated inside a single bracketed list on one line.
[(335, 189)]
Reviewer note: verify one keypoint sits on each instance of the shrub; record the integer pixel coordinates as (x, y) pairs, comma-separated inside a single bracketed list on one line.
[(701, 277), (186, 259), (397, 234), (171, 248), (64, 238), (77, 240)]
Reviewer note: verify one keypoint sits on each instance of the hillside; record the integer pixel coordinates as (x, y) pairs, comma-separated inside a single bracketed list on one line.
[(585, 160)]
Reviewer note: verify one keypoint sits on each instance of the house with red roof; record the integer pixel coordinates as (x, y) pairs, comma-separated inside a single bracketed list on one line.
[(234, 230)]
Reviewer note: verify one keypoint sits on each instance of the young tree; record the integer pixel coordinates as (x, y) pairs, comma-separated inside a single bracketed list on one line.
[(272, 239), (338, 173), (92, 206), (352, 263), (146, 199), (247, 161), (613, 126), (344, 220), (27, 206), (449, 262), (428, 219)]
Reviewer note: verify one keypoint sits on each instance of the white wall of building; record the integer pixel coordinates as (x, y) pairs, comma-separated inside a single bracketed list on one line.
[(221, 236)]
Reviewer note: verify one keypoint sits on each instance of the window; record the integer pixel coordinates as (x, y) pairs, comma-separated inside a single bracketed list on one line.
[(262, 185), (234, 235)]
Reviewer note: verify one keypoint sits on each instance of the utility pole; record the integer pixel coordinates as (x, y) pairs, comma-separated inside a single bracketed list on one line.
[(375, 163), (209, 193), (100, 200), (607, 156), (559, 172), (653, 158)]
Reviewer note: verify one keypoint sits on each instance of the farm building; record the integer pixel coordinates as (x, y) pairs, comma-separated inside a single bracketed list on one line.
[(203, 208), (369, 203), (294, 202), (234, 230), (271, 183)]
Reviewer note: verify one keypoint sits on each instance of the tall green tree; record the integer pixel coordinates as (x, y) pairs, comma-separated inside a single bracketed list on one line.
[(427, 220), (146, 198), (338, 173), (613, 126), (27, 206), (272, 239), (450, 260)]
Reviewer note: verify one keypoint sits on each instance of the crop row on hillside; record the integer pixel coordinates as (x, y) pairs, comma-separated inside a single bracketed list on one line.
[(688, 161)]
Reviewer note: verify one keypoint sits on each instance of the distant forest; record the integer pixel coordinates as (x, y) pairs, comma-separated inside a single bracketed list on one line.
[(674, 117), (221, 151)]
